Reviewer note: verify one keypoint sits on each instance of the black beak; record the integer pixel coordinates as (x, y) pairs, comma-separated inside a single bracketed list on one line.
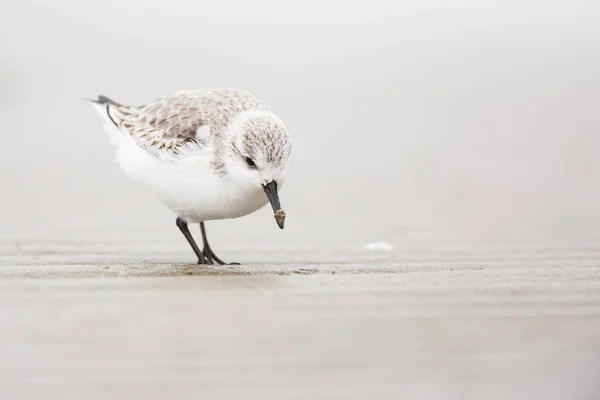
[(271, 191)]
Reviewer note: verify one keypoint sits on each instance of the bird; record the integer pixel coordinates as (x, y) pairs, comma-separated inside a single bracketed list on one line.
[(206, 154)]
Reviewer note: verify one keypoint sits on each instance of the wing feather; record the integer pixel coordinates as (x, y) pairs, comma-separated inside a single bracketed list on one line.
[(175, 121)]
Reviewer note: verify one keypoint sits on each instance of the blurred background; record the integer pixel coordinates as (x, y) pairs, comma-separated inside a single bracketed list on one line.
[(465, 133), (457, 120)]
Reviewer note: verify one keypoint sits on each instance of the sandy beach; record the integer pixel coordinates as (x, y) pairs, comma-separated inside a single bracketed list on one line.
[(88, 320)]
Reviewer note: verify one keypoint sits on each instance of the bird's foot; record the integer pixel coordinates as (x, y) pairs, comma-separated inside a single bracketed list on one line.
[(212, 259)]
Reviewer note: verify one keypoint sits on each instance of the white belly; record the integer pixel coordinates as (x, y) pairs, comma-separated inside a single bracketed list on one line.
[(190, 188)]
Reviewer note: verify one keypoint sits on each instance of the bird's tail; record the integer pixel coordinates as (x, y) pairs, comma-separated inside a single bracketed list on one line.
[(116, 117), (107, 108), (105, 100)]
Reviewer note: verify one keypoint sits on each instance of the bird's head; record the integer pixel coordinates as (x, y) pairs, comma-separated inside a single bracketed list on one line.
[(260, 149)]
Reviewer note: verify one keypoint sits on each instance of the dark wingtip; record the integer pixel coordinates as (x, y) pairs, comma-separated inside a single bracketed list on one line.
[(102, 100)]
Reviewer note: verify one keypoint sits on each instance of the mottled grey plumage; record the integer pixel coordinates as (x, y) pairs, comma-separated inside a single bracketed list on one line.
[(204, 119), (172, 121)]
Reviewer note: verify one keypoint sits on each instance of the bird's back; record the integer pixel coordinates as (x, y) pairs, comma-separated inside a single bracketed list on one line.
[(173, 121)]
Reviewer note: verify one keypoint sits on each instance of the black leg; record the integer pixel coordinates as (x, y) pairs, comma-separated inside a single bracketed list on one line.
[(207, 251), (183, 227)]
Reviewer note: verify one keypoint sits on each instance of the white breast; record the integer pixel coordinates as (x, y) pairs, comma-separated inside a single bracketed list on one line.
[(189, 188)]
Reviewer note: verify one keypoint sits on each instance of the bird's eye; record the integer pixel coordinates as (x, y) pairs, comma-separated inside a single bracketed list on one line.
[(250, 162)]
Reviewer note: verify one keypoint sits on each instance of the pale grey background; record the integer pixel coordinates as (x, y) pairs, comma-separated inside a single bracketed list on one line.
[(467, 118), (465, 133)]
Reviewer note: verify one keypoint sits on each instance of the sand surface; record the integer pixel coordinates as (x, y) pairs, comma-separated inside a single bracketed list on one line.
[(88, 320)]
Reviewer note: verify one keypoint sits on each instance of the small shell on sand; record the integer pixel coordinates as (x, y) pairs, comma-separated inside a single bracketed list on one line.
[(379, 246)]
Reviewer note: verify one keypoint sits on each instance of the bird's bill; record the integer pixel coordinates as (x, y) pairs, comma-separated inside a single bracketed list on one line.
[(271, 191)]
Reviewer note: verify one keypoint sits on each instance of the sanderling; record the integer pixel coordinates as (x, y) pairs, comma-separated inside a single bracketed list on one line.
[(206, 154)]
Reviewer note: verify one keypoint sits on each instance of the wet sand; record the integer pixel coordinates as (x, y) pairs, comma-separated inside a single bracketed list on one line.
[(88, 320)]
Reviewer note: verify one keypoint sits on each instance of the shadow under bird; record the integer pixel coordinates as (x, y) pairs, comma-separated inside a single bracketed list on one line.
[(206, 154)]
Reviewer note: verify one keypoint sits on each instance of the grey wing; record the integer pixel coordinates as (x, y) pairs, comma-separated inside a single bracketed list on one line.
[(173, 121), (164, 125)]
